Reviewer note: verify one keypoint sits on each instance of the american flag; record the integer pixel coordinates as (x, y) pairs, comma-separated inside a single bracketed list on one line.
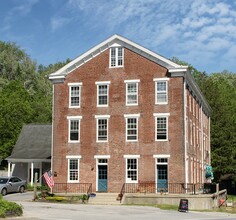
[(49, 178)]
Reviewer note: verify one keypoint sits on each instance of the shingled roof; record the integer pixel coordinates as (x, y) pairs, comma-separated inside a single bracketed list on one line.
[(34, 142)]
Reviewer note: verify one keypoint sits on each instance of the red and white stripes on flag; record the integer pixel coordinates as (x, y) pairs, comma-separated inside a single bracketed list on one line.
[(49, 178)]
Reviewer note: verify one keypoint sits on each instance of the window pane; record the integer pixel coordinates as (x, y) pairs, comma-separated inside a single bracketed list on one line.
[(74, 95), (132, 129), (74, 130), (132, 94), (161, 128), (113, 56), (161, 92), (120, 56), (73, 169), (102, 129), (103, 95), (132, 169), (116, 56)]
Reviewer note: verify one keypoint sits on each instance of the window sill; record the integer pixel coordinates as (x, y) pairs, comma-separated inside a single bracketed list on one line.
[(112, 67), (102, 141), (131, 104), (74, 106), (162, 140), (161, 103), (99, 106)]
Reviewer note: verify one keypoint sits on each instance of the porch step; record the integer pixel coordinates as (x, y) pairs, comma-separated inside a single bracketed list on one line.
[(104, 199)]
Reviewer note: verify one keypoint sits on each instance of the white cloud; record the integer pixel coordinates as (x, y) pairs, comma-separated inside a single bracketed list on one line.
[(199, 30), (58, 22), (23, 9)]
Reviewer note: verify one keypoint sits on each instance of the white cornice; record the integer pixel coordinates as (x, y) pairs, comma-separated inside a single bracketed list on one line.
[(113, 40)]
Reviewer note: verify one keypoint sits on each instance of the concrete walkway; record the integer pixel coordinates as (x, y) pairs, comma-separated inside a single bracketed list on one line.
[(59, 211), (104, 199)]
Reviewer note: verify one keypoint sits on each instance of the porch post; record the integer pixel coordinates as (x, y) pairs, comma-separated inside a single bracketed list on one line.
[(9, 169), (32, 174)]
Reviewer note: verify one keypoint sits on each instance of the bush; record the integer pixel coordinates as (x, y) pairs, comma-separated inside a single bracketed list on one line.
[(56, 199), (9, 208), (39, 188)]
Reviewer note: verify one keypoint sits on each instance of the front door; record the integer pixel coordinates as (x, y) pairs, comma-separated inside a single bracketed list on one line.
[(102, 178), (162, 178)]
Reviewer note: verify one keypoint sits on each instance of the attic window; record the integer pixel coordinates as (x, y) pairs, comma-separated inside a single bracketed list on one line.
[(116, 56)]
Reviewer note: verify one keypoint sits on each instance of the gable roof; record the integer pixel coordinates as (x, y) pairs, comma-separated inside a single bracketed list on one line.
[(115, 40), (174, 69), (34, 143)]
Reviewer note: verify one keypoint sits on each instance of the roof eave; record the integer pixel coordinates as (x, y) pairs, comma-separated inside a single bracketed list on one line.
[(115, 39)]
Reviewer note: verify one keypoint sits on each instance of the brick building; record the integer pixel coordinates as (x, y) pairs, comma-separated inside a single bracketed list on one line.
[(124, 114)]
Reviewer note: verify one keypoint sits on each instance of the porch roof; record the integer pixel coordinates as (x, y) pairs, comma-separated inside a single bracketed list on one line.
[(34, 143)]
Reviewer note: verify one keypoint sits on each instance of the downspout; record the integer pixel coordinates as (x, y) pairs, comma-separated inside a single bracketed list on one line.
[(52, 132), (185, 138), (209, 139), (202, 141)]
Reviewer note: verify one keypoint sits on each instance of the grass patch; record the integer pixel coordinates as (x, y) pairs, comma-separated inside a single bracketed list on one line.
[(167, 207), (231, 198), (9, 208), (65, 199)]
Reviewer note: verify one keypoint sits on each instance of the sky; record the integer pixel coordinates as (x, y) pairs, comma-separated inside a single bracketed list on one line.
[(199, 32)]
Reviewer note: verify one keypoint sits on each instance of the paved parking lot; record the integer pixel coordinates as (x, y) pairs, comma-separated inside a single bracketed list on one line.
[(48, 211)]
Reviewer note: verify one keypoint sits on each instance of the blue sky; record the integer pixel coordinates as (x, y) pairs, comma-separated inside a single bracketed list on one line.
[(200, 32)]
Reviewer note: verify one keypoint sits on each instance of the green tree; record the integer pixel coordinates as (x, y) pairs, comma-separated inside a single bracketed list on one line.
[(220, 91), (15, 110)]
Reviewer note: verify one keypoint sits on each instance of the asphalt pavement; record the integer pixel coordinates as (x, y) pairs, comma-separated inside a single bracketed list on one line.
[(58, 211)]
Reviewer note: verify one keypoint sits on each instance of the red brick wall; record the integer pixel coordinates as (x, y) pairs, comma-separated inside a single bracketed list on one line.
[(97, 69)]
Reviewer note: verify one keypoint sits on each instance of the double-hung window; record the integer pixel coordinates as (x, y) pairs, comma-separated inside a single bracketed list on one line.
[(132, 127), (74, 95), (161, 90), (74, 128), (161, 126), (102, 93), (102, 127), (116, 56), (73, 168), (131, 168), (132, 92)]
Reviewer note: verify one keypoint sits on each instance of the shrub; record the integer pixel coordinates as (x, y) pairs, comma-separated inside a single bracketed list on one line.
[(9, 208), (56, 199)]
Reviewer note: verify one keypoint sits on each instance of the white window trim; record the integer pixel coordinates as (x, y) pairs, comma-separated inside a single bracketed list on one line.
[(69, 120), (116, 47), (102, 117), (79, 84), (131, 156), (161, 156), (126, 171), (127, 116), (136, 81), (100, 84), (102, 156), (71, 157), (161, 80), (166, 115)]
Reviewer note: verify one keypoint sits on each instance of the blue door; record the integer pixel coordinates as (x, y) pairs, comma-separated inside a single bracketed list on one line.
[(162, 178), (102, 178)]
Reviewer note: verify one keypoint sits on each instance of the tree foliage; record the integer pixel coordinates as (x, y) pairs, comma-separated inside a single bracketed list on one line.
[(220, 91), (25, 94)]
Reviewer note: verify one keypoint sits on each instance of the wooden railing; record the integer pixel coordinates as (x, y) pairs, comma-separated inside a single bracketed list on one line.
[(170, 188)]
